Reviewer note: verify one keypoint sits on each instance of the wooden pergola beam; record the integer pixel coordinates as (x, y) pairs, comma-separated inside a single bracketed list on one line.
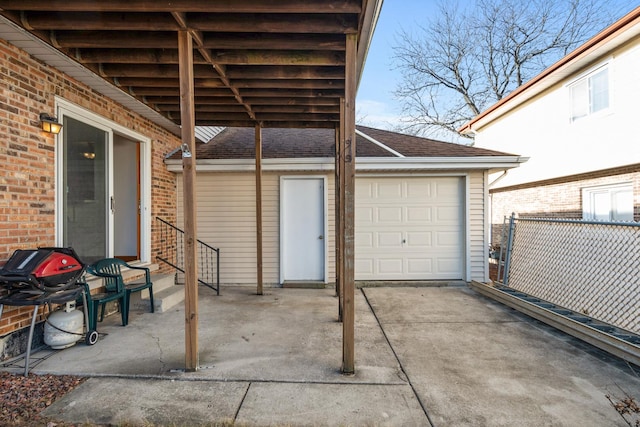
[(225, 22), (259, 273), (291, 123), (185, 45), (214, 40), (348, 158), (246, 6), (293, 109)]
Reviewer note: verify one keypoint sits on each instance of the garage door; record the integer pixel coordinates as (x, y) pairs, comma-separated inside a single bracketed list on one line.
[(409, 228)]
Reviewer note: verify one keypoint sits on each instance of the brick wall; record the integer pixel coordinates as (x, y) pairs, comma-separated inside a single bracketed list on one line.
[(27, 157), (556, 198)]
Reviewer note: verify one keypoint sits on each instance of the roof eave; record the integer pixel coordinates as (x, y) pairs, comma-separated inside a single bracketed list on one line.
[(598, 46), (366, 163)]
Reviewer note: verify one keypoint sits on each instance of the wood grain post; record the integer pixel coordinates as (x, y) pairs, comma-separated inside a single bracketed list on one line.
[(187, 116), (259, 208), (349, 160), (340, 211)]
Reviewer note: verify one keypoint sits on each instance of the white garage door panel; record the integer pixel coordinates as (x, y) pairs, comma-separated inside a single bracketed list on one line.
[(419, 266), (448, 214), (391, 216), (418, 214), (409, 228), (451, 265), (448, 239), (365, 266), (418, 240), (390, 266), (364, 215)]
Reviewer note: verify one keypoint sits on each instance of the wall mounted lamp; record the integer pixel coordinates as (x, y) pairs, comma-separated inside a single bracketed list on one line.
[(49, 123)]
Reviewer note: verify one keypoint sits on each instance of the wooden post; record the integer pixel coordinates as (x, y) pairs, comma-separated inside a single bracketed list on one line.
[(337, 221), (187, 116), (348, 191), (340, 212), (259, 207)]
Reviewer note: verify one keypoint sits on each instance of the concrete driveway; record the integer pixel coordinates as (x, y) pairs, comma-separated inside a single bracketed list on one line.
[(443, 356)]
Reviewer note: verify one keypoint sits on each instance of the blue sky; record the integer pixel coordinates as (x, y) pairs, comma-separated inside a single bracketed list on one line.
[(375, 104), (375, 94)]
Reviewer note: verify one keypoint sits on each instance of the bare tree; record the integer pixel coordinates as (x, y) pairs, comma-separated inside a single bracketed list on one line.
[(466, 59)]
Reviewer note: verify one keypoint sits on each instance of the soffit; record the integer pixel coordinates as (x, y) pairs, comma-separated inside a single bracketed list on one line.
[(281, 64)]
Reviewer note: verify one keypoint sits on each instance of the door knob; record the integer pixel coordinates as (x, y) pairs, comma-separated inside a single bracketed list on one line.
[(320, 237)]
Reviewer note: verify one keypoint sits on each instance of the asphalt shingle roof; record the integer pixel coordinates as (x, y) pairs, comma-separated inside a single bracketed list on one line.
[(279, 143)]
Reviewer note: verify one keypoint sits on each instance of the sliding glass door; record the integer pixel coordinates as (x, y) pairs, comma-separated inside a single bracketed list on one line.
[(86, 197)]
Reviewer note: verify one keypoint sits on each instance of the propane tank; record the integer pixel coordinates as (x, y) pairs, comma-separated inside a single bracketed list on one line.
[(63, 328)]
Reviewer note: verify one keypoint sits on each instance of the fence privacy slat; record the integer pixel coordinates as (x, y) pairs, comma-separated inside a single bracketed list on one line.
[(585, 266)]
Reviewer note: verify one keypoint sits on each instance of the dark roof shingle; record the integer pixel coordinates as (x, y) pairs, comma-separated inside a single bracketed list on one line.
[(280, 143)]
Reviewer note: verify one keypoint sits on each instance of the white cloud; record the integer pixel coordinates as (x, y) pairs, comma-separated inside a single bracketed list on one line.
[(376, 114)]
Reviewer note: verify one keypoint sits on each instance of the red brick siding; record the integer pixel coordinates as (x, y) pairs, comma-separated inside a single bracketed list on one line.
[(27, 157), (562, 199)]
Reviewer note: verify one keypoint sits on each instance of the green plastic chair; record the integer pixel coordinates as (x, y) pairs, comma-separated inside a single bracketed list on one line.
[(114, 291), (110, 269)]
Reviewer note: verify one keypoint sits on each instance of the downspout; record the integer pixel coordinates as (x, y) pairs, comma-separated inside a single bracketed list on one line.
[(495, 181)]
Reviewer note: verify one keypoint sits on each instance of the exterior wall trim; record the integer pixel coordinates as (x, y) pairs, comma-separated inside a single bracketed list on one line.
[(620, 170), (61, 106), (328, 164)]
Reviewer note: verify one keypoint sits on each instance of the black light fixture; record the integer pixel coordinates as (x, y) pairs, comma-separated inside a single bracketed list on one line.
[(49, 123)]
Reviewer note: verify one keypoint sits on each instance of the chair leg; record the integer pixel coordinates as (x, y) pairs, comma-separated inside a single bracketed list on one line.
[(151, 299), (124, 308), (104, 304), (93, 315)]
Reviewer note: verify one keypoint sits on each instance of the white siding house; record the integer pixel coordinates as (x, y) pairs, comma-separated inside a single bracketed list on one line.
[(574, 121)]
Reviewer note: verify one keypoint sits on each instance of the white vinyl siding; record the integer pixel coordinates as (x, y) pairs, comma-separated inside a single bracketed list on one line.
[(478, 225), (226, 219)]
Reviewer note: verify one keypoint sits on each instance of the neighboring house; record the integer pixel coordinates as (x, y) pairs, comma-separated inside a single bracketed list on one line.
[(573, 121), (420, 209)]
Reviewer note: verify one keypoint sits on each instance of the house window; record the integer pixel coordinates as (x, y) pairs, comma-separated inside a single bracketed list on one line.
[(590, 94), (608, 203)]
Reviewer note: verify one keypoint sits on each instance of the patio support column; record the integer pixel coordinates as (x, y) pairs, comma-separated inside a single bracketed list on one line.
[(259, 207), (339, 202), (348, 193), (187, 117)]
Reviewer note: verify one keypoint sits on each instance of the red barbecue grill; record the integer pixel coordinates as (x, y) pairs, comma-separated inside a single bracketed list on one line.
[(44, 269), (43, 276)]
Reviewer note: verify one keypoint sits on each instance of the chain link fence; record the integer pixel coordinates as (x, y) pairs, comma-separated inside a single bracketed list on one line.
[(585, 266)]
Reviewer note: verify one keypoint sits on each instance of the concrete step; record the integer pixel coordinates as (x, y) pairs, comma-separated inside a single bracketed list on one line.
[(168, 298), (303, 284), (161, 283)]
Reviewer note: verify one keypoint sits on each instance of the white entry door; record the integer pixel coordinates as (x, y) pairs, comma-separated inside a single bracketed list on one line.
[(302, 228)]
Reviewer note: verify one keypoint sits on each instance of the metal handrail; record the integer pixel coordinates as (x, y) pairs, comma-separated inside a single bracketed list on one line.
[(172, 253)]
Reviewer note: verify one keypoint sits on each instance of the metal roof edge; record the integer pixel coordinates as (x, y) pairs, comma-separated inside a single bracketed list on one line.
[(371, 163)]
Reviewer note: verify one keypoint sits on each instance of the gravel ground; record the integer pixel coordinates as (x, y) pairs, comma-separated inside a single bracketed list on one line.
[(23, 398)]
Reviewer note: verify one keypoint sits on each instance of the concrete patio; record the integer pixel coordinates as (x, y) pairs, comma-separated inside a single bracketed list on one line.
[(424, 356)]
